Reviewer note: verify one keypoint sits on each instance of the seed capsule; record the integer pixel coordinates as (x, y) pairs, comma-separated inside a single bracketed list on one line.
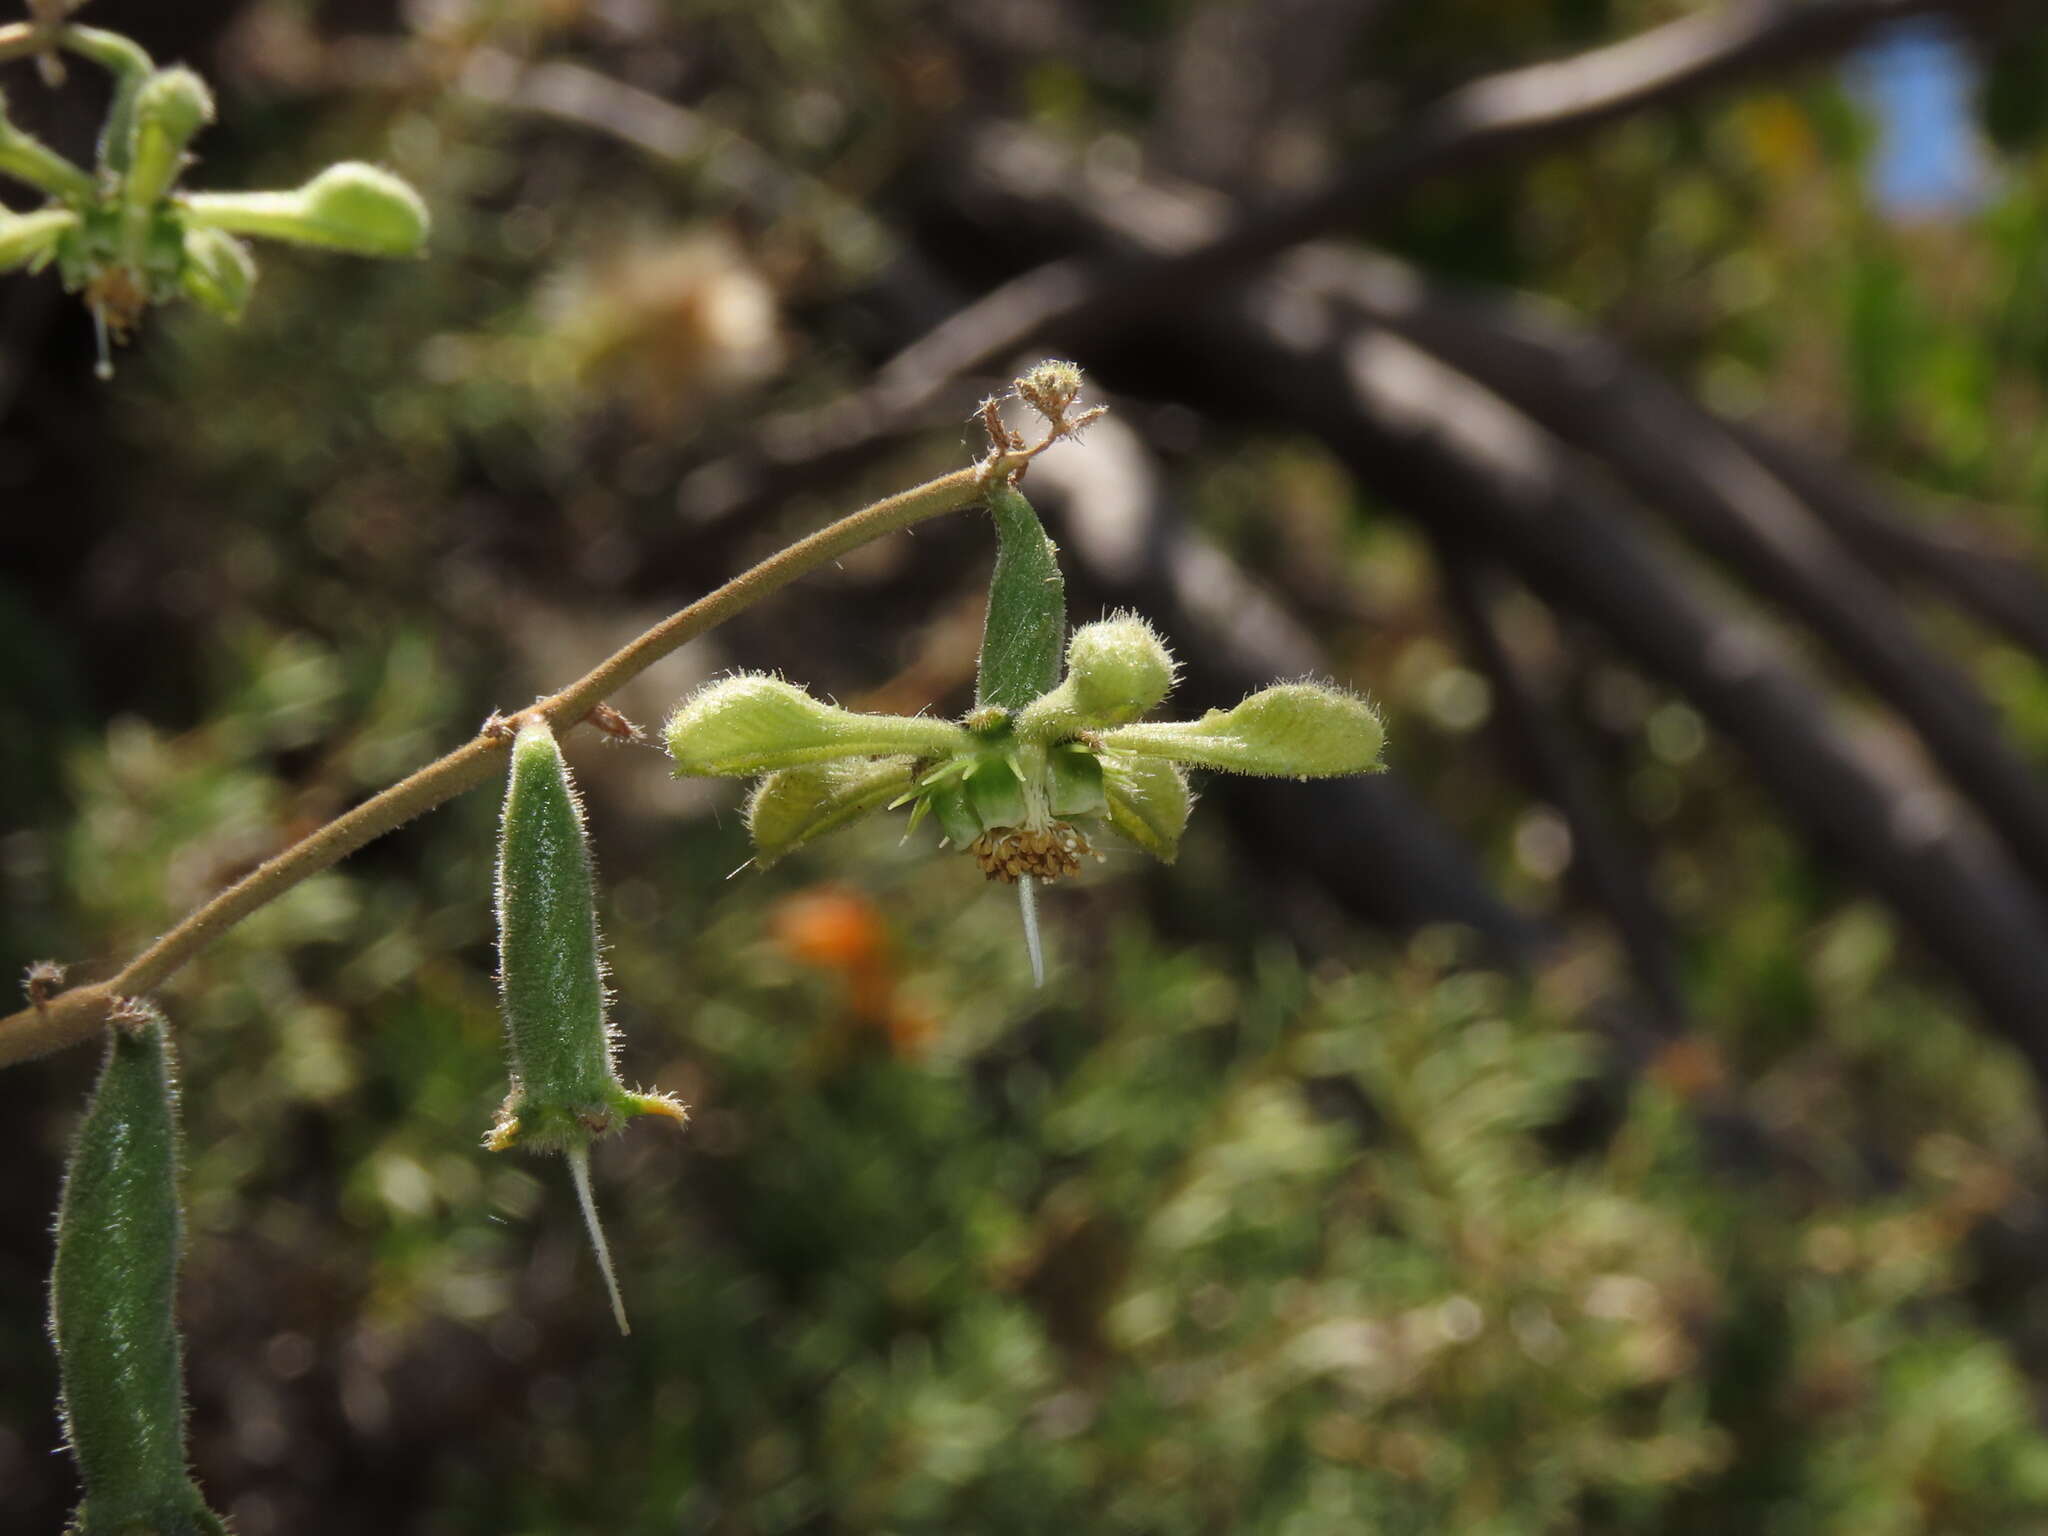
[(565, 1090), (112, 1295)]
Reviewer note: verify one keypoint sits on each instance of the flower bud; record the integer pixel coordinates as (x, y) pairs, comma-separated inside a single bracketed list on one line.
[(112, 1294), (789, 808), (1148, 802), (1117, 669), (218, 272), (347, 207), (1297, 730), (754, 723)]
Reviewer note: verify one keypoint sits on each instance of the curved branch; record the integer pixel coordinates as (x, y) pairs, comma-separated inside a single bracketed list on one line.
[(1502, 116), (77, 1014), (1453, 454)]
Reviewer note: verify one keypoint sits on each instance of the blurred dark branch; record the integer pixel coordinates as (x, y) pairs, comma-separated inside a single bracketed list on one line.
[(1955, 559), (1367, 842), (1429, 440), (1603, 864), (1683, 462), (1499, 117)]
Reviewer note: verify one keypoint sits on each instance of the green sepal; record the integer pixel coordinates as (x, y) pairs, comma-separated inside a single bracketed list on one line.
[(348, 207), (1074, 781), (754, 723), (995, 793), (113, 1294), (1027, 607), (1148, 802), (1117, 669), (948, 799), (1295, 730), (218, 272), (789, 808)]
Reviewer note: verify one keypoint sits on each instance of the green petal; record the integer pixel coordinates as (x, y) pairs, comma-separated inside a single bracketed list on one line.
[(754, 723), (1296, 731), (1148, 802), (790, 808)]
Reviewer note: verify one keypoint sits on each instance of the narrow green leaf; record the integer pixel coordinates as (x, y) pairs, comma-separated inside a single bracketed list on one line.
[(1027, 607)]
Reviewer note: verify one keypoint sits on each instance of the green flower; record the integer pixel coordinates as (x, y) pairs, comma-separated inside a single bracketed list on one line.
[(1051, 757), (1026, 791), (125, 235)]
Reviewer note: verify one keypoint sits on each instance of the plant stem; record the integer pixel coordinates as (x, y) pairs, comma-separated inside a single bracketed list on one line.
[(79, 1013)]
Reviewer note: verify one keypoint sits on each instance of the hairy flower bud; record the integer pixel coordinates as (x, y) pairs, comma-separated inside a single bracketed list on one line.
[(1296, 730), (1117, 669), (753, 723)]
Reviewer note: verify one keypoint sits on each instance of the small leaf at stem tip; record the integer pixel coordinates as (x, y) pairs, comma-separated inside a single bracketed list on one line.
[(1294, 730), (754, 723)]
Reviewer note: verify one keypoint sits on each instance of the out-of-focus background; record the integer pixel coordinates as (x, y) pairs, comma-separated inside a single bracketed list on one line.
[(1623, 1116)]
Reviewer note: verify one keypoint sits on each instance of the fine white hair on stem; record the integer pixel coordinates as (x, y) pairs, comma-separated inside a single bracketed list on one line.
[(1027, 901), (578, 1159)]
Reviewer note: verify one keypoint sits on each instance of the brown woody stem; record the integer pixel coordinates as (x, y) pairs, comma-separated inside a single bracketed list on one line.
[(76, 1015)]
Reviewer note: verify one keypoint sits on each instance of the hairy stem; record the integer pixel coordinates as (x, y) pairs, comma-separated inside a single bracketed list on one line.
[(76, 1015)]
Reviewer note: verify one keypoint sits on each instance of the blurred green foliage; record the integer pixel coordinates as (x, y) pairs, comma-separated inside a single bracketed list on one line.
[(1251, 1222)]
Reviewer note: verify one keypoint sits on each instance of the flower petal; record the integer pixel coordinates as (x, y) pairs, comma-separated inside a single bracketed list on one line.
[(754, 723), (790, 808), (1296, 730)]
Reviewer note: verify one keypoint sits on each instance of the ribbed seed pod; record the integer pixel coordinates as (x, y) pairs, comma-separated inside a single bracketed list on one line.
[(112, 1294), (565, 1091), (1022, 635)]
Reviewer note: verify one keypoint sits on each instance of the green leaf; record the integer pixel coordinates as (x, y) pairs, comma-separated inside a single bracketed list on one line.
[(1027, 607)]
